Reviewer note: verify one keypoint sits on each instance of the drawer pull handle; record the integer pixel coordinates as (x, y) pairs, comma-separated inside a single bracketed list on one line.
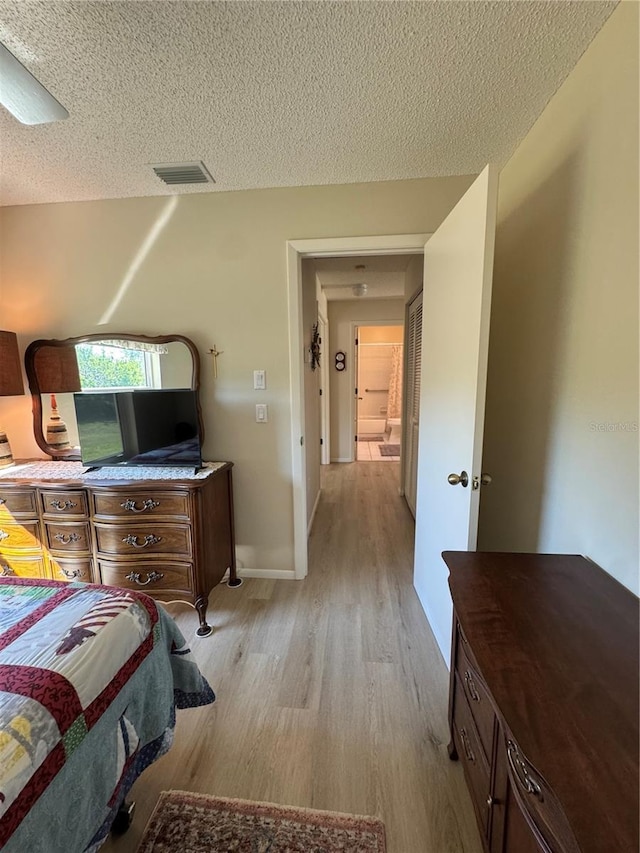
[(63, 506), (152, 577), (521, 773), (3, 535), (131, 506), (70, 575), (6, 571), (149, 539), (467, 746), (67, 538), (471, 686)]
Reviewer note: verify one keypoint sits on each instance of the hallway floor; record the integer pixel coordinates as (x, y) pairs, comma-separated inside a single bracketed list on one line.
[(331, 691)]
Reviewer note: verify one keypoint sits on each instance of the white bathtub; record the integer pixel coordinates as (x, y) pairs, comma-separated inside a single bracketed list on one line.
[(371, 426)]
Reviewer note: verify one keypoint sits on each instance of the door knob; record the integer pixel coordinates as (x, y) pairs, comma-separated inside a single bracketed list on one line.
[(462, 478), (482, 480)]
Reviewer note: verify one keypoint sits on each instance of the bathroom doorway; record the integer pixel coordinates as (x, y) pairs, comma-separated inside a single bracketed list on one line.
[(379, 359)]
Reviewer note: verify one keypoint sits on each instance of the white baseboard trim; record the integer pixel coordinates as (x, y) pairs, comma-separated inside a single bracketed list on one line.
[(342, 459), (313, 513), (274, 574)]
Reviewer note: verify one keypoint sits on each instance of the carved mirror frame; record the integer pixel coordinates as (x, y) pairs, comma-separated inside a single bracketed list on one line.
[(72, 454)]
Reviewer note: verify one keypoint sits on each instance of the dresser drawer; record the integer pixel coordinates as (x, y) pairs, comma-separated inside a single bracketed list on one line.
[(477, 696), (20, 537), (158, 578), (17, 503), (471, 754), (67, 536), (132, 504), (516, 836), (64, 503), (71, 569), (537, 801), (129, 539), (22, 566)]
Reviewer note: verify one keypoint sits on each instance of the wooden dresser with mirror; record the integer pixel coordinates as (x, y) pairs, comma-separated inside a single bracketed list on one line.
[(543, 704), (165, 530)]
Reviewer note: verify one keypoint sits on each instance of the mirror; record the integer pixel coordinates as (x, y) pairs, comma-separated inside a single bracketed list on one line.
[(58, 369)]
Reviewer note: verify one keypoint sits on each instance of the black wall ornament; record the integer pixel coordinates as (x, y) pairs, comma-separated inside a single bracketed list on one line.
[(314, 349)]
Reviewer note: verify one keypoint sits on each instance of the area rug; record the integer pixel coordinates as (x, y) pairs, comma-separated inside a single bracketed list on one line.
[(370, 437), (196, 823), (389, 449)]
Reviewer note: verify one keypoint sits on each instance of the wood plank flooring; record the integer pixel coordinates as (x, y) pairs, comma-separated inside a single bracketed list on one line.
[(331, 692)]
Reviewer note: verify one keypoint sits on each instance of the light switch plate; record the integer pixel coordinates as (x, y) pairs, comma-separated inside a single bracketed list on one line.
[(262, 413), (259, 380)]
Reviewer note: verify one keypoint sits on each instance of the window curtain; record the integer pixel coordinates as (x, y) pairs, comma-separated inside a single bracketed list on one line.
[(138, 346), (394, 404)]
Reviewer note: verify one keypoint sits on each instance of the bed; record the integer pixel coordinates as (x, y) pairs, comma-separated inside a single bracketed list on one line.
[(90, 677)]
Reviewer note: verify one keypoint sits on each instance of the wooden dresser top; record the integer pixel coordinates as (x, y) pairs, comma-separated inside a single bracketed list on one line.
[(556, 640)]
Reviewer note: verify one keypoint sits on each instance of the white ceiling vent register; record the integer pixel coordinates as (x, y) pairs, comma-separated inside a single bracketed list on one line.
[(183, 173)]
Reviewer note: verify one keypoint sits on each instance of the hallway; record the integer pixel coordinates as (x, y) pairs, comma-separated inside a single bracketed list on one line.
[(331, 691)]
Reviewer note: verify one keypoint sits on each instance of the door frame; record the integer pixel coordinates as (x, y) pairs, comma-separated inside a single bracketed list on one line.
[(394, 244), (325, 402)]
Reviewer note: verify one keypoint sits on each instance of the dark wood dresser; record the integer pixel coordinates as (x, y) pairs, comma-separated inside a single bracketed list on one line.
[(172, 538), (543, 703)]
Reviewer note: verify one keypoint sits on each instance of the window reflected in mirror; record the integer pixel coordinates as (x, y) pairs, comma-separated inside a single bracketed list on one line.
[(57, 370), (109, 365)]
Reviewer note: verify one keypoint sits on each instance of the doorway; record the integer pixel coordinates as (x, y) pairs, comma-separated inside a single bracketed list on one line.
[(459, 258), (379, 387), (404, 244), (345, 247)]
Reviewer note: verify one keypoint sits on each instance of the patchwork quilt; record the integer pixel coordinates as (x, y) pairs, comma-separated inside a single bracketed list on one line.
[(90, 677)]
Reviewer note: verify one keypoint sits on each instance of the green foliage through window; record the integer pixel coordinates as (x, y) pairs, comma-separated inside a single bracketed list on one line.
[(110, 367)]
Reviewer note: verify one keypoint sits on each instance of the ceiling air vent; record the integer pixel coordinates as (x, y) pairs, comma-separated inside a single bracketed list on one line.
[(183, 173)]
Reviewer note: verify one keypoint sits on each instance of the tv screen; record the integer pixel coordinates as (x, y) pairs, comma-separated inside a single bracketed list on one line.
[(139, 428)]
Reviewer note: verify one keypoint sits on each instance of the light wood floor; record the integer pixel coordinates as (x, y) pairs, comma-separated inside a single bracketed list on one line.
[(331, 691)]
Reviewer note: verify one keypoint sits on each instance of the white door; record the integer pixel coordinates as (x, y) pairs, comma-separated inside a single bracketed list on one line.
[(411, 417), (458, 266)]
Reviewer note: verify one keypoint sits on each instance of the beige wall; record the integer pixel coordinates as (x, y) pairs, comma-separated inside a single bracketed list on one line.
[(342, 317), (413, 277), (216, 273), (561, 436)]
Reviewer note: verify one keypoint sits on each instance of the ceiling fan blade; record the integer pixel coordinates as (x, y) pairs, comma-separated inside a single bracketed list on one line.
[(23, 95)]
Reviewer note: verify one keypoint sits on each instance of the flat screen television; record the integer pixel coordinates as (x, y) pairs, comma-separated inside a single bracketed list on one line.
[(145, 427)]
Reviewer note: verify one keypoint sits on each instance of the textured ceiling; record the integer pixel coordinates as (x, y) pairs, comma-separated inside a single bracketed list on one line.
[(272, 94)]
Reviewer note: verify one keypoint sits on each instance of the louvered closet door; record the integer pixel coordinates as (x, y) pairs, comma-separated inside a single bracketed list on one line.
[(412, 396)]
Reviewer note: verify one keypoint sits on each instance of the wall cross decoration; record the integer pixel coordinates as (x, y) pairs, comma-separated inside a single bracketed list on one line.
[(215, 352)]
